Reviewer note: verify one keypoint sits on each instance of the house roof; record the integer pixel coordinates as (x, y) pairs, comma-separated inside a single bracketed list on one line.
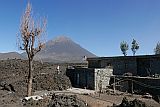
[(124, 57)]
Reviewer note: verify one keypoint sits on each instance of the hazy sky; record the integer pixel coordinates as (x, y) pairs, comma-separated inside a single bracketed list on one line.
[(97, 25)]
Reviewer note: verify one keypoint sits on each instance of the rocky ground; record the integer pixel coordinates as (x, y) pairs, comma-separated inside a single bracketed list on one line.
[(13, 79), (13, 83), (45, 76), (133, 103), (60, 100)]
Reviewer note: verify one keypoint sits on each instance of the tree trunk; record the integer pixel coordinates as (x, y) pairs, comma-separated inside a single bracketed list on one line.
[(30, 77), (134, 53)]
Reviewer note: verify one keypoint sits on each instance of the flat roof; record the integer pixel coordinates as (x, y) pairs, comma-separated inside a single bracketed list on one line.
[(124, 57), (121, 76)]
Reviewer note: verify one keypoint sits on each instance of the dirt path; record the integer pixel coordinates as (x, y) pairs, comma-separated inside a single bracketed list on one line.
[(95, 102)]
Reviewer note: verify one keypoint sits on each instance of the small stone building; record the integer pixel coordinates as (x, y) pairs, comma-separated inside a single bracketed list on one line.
[(143, 65), (90, 78), (100, 69)]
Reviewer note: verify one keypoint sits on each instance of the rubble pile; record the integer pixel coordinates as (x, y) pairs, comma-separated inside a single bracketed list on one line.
[(59, 100), (157, 98), (134, 103), (51, 82), (62, 100)]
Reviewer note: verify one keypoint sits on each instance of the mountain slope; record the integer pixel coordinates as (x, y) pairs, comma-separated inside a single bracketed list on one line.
[(63, 49), (10, 55)]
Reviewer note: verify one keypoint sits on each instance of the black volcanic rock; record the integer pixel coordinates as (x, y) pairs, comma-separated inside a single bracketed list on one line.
[(63, 49)]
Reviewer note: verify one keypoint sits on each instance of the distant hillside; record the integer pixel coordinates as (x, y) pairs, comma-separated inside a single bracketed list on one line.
[(59, 50), (63, 49), (10, 55)]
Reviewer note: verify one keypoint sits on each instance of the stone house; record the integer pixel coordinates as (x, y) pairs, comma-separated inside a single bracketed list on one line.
[(100, 69), (143, 65), (90, 78)]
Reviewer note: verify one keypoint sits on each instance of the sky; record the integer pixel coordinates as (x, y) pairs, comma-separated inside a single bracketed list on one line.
[(97, 25)]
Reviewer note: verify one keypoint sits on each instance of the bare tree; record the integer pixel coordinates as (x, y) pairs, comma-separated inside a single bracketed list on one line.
[(31, 39)]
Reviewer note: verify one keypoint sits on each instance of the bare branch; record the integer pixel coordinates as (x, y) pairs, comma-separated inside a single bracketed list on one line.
[(31, 38), (32, 32)]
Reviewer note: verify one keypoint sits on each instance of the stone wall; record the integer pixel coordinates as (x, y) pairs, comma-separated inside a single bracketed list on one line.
[(137, 65), (102, 78), (155, 65), (94, 64), (122, 66), (90, 78), (81, 77), (119, 65)]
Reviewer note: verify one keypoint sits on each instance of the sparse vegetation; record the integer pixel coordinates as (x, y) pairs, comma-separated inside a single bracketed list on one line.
[(124, 47), (134, 47), (157, 49)]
